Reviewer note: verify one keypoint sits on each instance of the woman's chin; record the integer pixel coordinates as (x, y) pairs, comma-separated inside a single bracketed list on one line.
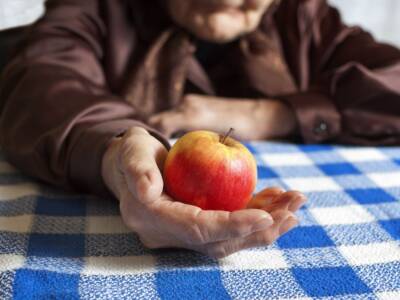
[(220, 29), (218, 37), (224, 27)]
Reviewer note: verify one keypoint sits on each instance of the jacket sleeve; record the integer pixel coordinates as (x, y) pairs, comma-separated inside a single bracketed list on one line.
[(349, 84), (57, 113)]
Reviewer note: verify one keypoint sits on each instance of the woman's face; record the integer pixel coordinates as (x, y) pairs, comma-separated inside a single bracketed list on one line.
[(218, 20)]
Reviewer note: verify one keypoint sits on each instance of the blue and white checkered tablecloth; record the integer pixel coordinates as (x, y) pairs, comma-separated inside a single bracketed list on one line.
[(63, 246)]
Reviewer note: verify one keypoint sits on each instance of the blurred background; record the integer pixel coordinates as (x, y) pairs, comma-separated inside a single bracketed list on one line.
[(381, 17)]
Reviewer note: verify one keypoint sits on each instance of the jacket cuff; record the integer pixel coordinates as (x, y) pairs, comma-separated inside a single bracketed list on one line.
[(317, 116), (87, 154)]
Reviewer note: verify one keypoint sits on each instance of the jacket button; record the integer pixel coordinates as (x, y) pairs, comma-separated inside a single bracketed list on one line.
[(321, 128)]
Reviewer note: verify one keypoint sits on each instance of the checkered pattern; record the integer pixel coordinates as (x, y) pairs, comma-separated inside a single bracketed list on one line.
[(66, 246)]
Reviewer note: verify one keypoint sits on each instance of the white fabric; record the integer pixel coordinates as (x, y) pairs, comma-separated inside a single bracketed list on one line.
[(380, 17), (15, 13)]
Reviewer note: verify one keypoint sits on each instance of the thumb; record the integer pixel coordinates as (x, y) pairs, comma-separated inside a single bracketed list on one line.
[(141, 159), (146, 183)]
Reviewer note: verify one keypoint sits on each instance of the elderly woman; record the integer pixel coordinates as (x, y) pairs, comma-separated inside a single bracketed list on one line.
[(99, 86)]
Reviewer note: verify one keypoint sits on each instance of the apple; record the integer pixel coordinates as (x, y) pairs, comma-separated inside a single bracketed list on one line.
[(211, 171)]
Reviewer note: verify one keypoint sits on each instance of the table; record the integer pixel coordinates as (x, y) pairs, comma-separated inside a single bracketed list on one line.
[(67, 246)]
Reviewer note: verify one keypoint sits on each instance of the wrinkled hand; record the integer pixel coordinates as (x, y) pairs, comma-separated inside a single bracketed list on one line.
[(251, 119), (131, 170)]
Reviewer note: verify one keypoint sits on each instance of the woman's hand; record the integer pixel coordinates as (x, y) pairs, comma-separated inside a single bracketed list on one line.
[(132, 171), (252, 119)]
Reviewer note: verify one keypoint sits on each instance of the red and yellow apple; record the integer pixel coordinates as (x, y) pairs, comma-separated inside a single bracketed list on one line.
[(210, 171)]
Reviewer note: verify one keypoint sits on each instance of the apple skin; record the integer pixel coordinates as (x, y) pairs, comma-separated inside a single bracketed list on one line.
[(202, 171)]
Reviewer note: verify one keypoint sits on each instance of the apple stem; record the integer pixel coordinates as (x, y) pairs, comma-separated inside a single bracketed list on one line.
[(223, 138)]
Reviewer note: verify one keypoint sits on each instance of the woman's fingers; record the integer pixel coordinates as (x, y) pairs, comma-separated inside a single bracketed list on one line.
[(198, 227), (298, 201), (195, 227), (269, 202), (215, 233), (283, 222), (271, 192), (263, 197)]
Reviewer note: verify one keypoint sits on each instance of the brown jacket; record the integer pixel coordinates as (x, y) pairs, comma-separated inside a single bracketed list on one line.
[(91, 69)]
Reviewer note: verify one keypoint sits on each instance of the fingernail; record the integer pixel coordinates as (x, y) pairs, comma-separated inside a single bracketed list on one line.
[(294, 204), (262, 223), (288, 224)]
